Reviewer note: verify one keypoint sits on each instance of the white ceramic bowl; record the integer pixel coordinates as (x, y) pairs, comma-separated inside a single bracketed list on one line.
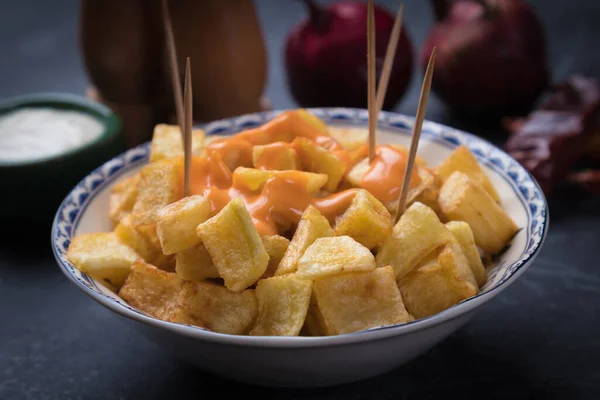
[(315, 361)]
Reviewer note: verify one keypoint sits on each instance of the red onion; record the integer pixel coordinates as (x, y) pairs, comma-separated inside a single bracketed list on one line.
[(491, 56), (325, 56)]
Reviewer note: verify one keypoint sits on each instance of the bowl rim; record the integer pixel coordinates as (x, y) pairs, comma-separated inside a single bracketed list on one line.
[(110, 121), (348, 115)]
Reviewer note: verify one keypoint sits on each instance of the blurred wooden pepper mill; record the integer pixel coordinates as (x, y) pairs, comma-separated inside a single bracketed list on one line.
[(124, 53)]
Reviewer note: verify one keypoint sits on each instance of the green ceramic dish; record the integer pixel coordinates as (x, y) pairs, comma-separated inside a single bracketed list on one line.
[(31, 190)]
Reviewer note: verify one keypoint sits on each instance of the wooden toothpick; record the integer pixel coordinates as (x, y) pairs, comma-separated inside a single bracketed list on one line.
[(371, 79), (188, 121), (414, 141), (173, 67), (388, 62)]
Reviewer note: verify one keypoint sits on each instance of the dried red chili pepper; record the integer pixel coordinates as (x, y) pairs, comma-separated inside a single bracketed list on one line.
[(588, 179), (592, 150), (553, 138)]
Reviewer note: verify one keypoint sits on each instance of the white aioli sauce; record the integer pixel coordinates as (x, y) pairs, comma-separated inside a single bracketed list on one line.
[(31, 133)]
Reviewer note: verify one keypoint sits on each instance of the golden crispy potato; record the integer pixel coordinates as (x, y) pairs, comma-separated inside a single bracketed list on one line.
[(165, 262), (464, 161), (417, 233), (151, 290), (452, 257), (177, 222), (463, 199), (133, 238), (464, 235), (195, 264), (314, 325), (158, 187), (235, 246), (317, 159), (278, 156), (353, 157), (276, 246), (420, 161), (102, 256), (214, 307), (122, 198), (254, 179), (282, 306), (167, 142), (233, 153), (356, 301), (355, 175), (427, 180), (350, 138), (315, 121), (334, 255), (312, 226), (161, 261), (149, 232), (366, 220), (429, 194), (441, 281), (208, 139)]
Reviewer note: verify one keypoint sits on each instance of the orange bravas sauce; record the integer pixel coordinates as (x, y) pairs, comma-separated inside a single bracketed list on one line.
[(280, 202)]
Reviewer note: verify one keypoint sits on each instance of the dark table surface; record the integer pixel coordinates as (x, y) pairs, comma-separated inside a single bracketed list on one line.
[(539, 339)]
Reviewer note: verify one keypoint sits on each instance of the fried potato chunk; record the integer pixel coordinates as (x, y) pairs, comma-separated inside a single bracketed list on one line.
[(334, 255), (420, 161), (452, 257), (464, 235), (133, 238), (350, 138), (235, 246), (314, 325), (276, 246), (195, 264), (427, 180), (162, 261), (149, 232), (317, 159), (356, 174), (165, 262), (356, 301), (208, 139), (464, 161), (313, 120), (282, 306), (167, 142), (441, 281), (214, 307), (122, 198), (102, 256), (254, 179), (279, 156), (151, 290), (158, 187), (177, 223), (366, 220), (360, 168), (312, 226), (417, 233), (463, 199), (429, 194)]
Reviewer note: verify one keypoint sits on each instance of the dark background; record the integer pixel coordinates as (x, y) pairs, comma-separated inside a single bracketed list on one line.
[(539, 339)]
